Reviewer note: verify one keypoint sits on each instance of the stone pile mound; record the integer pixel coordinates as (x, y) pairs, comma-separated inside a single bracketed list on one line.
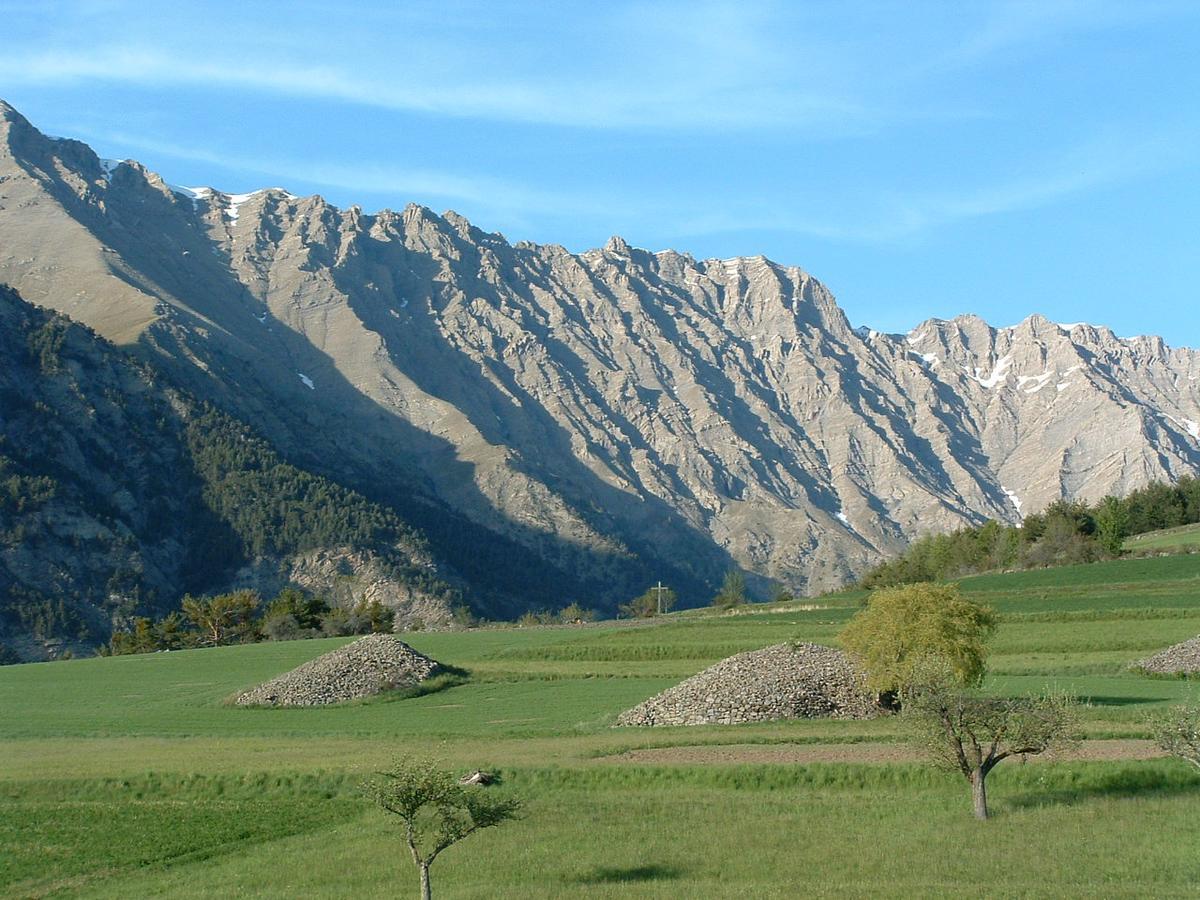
[(1181, 659), (363, 668), (784, 681)]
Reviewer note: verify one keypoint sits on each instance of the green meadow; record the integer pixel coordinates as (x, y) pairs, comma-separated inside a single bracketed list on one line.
[(132, 777), (1167, 539)]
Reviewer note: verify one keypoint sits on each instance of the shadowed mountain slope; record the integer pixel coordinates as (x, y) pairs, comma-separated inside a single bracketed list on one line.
[(119, 493)]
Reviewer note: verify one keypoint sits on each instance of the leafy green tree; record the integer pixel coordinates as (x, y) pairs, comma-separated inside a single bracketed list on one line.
[(337, 622), (902, 627), (574, 612), (1189, 492), (464, 616), (142, 637), (293, 614), (172, 632), (972, 734), (224, 619), (282, 627), (781, 593), (435, 810), (1155, 506), (1177, 731), (373, 618), (1112, 524), (732, 592), (647, 604)]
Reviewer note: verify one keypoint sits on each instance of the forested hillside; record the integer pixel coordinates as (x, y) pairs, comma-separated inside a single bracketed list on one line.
[(119, 494)]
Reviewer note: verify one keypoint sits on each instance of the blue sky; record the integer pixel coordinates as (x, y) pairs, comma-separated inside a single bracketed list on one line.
[(922, 159)]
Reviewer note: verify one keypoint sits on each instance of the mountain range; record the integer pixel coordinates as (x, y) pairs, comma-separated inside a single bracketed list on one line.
[(573, 426)]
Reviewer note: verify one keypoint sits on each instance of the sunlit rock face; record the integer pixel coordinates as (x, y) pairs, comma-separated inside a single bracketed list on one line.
[(617, 414)]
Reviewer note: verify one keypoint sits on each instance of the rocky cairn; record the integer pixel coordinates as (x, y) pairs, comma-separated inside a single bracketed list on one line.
[(1181, 659), (784, 681), (363, 668)]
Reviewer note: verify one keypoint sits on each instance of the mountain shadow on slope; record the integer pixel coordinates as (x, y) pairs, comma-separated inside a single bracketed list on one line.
[(119, 493)]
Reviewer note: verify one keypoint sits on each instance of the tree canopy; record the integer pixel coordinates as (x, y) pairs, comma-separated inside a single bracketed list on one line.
[(436, 810), (969, 733), (902, 627), (733, 590), (649, 603), (1065, 533), (1177, 732)]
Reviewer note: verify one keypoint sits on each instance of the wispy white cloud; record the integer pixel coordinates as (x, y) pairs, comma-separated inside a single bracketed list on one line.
[(1019, 23), (712, 97), (719, 67), (698, 66), (897, 215)]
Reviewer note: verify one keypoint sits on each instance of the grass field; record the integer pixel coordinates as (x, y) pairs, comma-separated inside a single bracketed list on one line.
[(1167, 539), (130, 776)]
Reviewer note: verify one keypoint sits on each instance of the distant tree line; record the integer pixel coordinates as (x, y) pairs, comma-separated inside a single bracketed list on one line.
[(1065, 533), (241, 617)]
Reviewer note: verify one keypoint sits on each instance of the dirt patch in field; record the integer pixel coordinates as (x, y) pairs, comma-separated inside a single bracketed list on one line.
[(797, 754)]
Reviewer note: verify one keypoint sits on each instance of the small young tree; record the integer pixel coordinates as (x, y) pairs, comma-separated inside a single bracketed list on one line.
[(1178, 732), (647, 604), (372, 618), (732, 592), (1112, 524), (464, 616), (903, 626), (972, 734), (574, 612), (223, 619), (435, 809), (337, 622), (781, 593), (305, 610)]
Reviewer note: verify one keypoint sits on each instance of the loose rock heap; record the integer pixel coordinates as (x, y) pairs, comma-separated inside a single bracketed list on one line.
[(1181, 659), (363, 668), (784, 681)]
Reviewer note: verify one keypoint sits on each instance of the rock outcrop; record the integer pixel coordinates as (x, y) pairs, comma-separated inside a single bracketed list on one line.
[(1180, 659), (784, 681), (363, 668)]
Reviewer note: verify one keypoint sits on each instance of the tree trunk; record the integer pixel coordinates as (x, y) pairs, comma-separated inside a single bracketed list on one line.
[(426, 893), (979, 793)]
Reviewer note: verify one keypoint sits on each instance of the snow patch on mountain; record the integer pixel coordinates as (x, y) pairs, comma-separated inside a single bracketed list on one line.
[(1190, 426), (228, 202), (1039, 381), (110, 165), (998, 375)]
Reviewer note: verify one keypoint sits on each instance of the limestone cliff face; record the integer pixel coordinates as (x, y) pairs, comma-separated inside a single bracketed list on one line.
[(612, 414)]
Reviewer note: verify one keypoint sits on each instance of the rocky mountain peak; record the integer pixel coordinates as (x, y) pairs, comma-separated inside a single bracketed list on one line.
[(616, 413), (618, 246)]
